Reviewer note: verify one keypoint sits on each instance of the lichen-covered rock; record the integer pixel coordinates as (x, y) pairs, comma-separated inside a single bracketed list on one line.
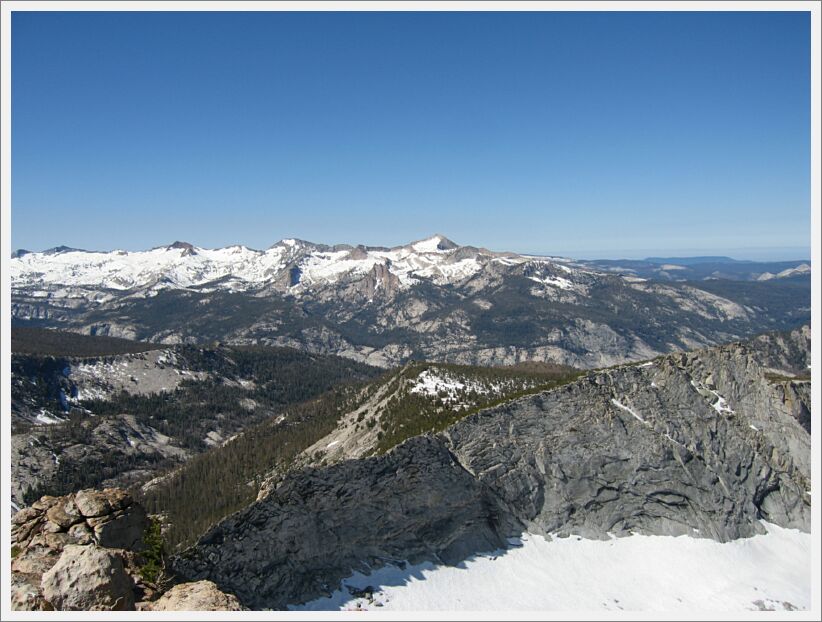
[(108, 517), (81, 533), (50, 527), (35, 560), (88, 578), (64, 513), (44, 503), (81, 552), (42, 532), (23, 531), (92, 503), (196, 596), (24, 516), (25, 596)]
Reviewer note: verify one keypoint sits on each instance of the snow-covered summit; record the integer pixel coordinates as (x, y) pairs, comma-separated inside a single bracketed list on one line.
[(435, 244)]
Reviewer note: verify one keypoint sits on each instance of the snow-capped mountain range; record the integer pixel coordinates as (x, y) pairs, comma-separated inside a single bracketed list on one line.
[(430, 299), (296, 265)]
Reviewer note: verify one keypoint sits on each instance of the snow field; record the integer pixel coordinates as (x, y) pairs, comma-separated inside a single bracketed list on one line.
[(636, 573)]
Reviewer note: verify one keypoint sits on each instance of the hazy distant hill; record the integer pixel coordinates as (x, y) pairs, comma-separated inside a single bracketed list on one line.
[(703, 268)]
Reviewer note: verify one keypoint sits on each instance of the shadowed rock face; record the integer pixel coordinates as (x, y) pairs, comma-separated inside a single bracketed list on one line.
[(705, 443), (414, 503)]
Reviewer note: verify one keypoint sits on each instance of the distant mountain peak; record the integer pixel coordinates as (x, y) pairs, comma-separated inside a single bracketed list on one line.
[(57, 250), (294, 243), (188, 249), (434, 243)]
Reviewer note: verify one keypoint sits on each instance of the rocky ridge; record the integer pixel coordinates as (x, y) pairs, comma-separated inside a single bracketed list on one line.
[(433, 393), (707, 444)]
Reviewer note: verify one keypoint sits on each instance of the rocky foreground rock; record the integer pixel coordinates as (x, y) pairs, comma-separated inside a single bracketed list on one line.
[(197, 596), (707, 443), (82, 552), (88, 578)]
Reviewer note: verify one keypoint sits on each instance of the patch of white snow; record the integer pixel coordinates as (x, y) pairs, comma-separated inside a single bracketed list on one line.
[(628, 409)]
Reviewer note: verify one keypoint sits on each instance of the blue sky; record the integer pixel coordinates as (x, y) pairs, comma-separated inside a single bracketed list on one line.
[(585, 134)]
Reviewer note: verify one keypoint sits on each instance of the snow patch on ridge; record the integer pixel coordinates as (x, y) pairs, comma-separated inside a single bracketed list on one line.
[(450, 388), (554, 281), (629, 410), (718, 403), (433, 383), (47, 418)]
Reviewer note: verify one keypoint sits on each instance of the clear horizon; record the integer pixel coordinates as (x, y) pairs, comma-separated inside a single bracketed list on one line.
[(641, 134), (766, 254)]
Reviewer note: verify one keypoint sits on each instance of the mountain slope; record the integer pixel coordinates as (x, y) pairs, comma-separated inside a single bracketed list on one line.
[(347, 422), (707, 443)]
